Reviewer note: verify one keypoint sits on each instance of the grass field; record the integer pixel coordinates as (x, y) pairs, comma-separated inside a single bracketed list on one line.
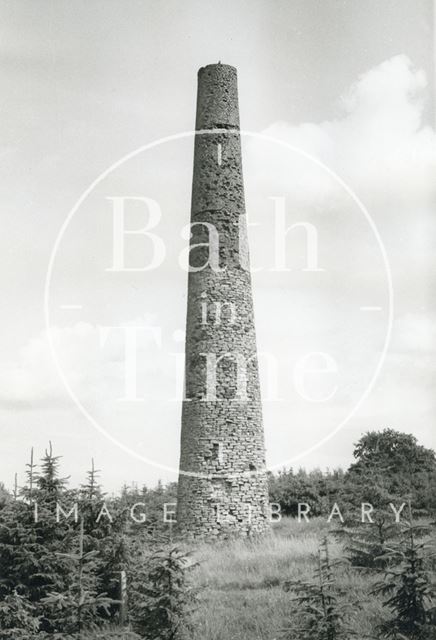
[(240, 583)]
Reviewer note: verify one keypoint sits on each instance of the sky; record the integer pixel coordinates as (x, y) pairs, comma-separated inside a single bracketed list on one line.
[(337, 98)]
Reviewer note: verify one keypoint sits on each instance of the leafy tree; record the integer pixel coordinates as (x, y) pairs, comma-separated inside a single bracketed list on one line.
[(316, 488), (391, 466), (366, 542)]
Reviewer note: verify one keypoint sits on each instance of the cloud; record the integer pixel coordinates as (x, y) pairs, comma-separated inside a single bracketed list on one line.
[(92, 359), (379, 144), (381, 147), (415, 334), (31, 382)]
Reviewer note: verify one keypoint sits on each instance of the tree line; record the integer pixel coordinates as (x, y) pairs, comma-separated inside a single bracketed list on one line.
[(388, 467)]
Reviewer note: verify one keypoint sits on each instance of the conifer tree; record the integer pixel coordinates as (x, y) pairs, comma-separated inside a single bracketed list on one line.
[(28, 491), (366, 544), (76, 609), (30, 538), (5, 496), (162, 599), (410, 594), (18, 618), (16, 490), (51, 486), (107, 537), (91, 499), (321, 613), (92, 488)]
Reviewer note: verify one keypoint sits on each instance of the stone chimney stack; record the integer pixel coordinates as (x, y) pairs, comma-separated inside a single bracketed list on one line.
[(222, 483)]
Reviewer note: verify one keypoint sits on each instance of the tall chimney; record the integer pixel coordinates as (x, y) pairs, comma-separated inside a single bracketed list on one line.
[(222, 486)]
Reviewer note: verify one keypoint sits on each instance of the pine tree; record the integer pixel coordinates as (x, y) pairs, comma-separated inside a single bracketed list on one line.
[(92, 488), (161, 596), (18, 618), (108, 538), (30, 538), (29, 490), (51, 486), (15, 490), (76, 610), (366, 544), (407, 586), (5, 496), (320, 615)]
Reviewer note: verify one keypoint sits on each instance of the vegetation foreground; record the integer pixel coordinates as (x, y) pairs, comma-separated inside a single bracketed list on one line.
[(241, 583), (99, 574)]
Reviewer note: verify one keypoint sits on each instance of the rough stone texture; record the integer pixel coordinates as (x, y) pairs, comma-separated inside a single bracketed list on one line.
[(222, 440)]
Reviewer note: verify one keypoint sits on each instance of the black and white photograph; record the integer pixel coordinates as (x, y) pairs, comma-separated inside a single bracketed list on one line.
[(218, 327)]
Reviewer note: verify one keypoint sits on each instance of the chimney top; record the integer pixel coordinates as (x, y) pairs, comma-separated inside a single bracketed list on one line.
[(214, 65), (217, 98)]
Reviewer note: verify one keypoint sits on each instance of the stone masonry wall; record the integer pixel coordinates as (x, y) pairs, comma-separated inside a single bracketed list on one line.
[(222, 484)]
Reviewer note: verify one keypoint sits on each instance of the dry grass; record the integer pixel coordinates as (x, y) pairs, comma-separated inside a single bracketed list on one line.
[(266, 562), (240, 583)]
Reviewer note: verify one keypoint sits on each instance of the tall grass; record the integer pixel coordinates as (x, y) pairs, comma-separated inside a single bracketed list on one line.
[(263, 562), (240, 583)]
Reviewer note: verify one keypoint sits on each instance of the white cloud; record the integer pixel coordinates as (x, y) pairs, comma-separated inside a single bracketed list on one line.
[(378, 145), (91, 368), (415, 333)]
